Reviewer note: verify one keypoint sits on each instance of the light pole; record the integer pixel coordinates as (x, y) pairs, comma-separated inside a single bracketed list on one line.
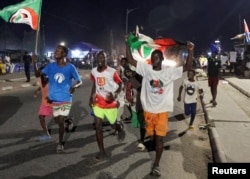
[(156, 32), (62, 43), (127, 13)]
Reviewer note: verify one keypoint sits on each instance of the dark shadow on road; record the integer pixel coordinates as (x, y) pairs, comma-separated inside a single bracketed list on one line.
[(38, 150), (178, 117), (86, 167), (10, 105)]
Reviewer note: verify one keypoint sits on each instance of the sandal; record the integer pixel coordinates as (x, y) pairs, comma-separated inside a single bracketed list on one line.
[(155, 172), (101, 157)]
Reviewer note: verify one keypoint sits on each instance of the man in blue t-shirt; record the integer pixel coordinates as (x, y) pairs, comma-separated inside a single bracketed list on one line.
[(60, 75)]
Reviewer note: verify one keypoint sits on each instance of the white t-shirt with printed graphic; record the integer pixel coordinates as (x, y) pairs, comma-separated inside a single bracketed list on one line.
[(191, 90), (157, 87)]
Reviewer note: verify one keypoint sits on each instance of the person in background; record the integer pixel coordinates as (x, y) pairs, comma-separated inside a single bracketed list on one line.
[(60, 75), (121, 96), (157, 94), (232, 60), (122, 68), (9, 65), (125, 66), (2, 67), (213, 69), (45, 109), (27, 60), (225, 63), (105, 89), (133, 92), (191, 90)]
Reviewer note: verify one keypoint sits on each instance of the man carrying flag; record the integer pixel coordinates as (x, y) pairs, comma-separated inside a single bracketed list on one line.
[(26, 12), (157, 91), (142, 46)]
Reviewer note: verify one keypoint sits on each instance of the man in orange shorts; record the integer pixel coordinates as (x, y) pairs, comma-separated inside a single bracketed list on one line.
[(157, 93)]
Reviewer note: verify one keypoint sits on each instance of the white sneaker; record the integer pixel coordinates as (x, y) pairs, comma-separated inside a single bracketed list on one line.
[(140, 146)]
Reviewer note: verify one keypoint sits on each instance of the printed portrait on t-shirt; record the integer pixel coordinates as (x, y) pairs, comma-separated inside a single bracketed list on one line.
[(156, 86)]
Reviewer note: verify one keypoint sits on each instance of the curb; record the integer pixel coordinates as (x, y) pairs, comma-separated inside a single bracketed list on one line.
[(218, 152), (238, 88)]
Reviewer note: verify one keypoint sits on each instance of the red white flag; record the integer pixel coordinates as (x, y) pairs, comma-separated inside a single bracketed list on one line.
[(247, 35), (26, 12)]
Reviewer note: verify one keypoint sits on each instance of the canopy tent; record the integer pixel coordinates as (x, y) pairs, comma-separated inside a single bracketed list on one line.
[(81, 49), (85, 46)]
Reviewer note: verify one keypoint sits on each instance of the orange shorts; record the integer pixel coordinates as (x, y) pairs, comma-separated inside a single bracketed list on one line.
[(156, 123)]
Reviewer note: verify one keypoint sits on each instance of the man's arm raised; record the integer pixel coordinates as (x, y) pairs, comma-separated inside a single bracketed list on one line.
[(189, 61)]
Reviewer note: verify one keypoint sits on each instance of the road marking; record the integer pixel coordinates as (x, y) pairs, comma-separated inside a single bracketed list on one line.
[(7, 88), (25, 85)]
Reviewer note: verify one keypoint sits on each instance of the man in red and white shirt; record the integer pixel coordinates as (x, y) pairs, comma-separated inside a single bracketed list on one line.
[(106, 86)]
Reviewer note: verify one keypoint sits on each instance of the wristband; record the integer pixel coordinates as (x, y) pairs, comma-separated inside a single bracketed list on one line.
[(78, 84)]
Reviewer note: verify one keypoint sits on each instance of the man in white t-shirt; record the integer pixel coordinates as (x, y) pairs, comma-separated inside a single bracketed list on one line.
[(8, 63), (232, 58), (157, 95)]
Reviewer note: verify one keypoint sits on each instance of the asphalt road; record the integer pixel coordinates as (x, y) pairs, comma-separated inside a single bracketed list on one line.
[(185, 156)]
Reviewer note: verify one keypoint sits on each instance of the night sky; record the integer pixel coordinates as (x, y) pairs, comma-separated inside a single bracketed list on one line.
[(200, 21)]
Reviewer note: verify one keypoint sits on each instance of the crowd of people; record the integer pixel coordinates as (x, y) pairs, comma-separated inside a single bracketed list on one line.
[(146, 89), (6, 65)]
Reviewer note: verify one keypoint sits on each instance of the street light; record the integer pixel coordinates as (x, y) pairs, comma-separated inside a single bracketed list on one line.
[(62, 43), (127, 13)]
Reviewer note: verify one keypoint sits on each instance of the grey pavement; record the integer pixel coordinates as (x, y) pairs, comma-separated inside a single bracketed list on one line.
[(229, 121), (15, 81), (228, 124)]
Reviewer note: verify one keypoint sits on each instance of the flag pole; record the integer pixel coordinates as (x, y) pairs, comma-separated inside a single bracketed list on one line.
[(137, 30), (37, 38), (38, 30)]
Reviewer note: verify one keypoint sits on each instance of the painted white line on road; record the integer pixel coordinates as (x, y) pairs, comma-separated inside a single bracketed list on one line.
[(7, 88), (16, 79), (25, 85)]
